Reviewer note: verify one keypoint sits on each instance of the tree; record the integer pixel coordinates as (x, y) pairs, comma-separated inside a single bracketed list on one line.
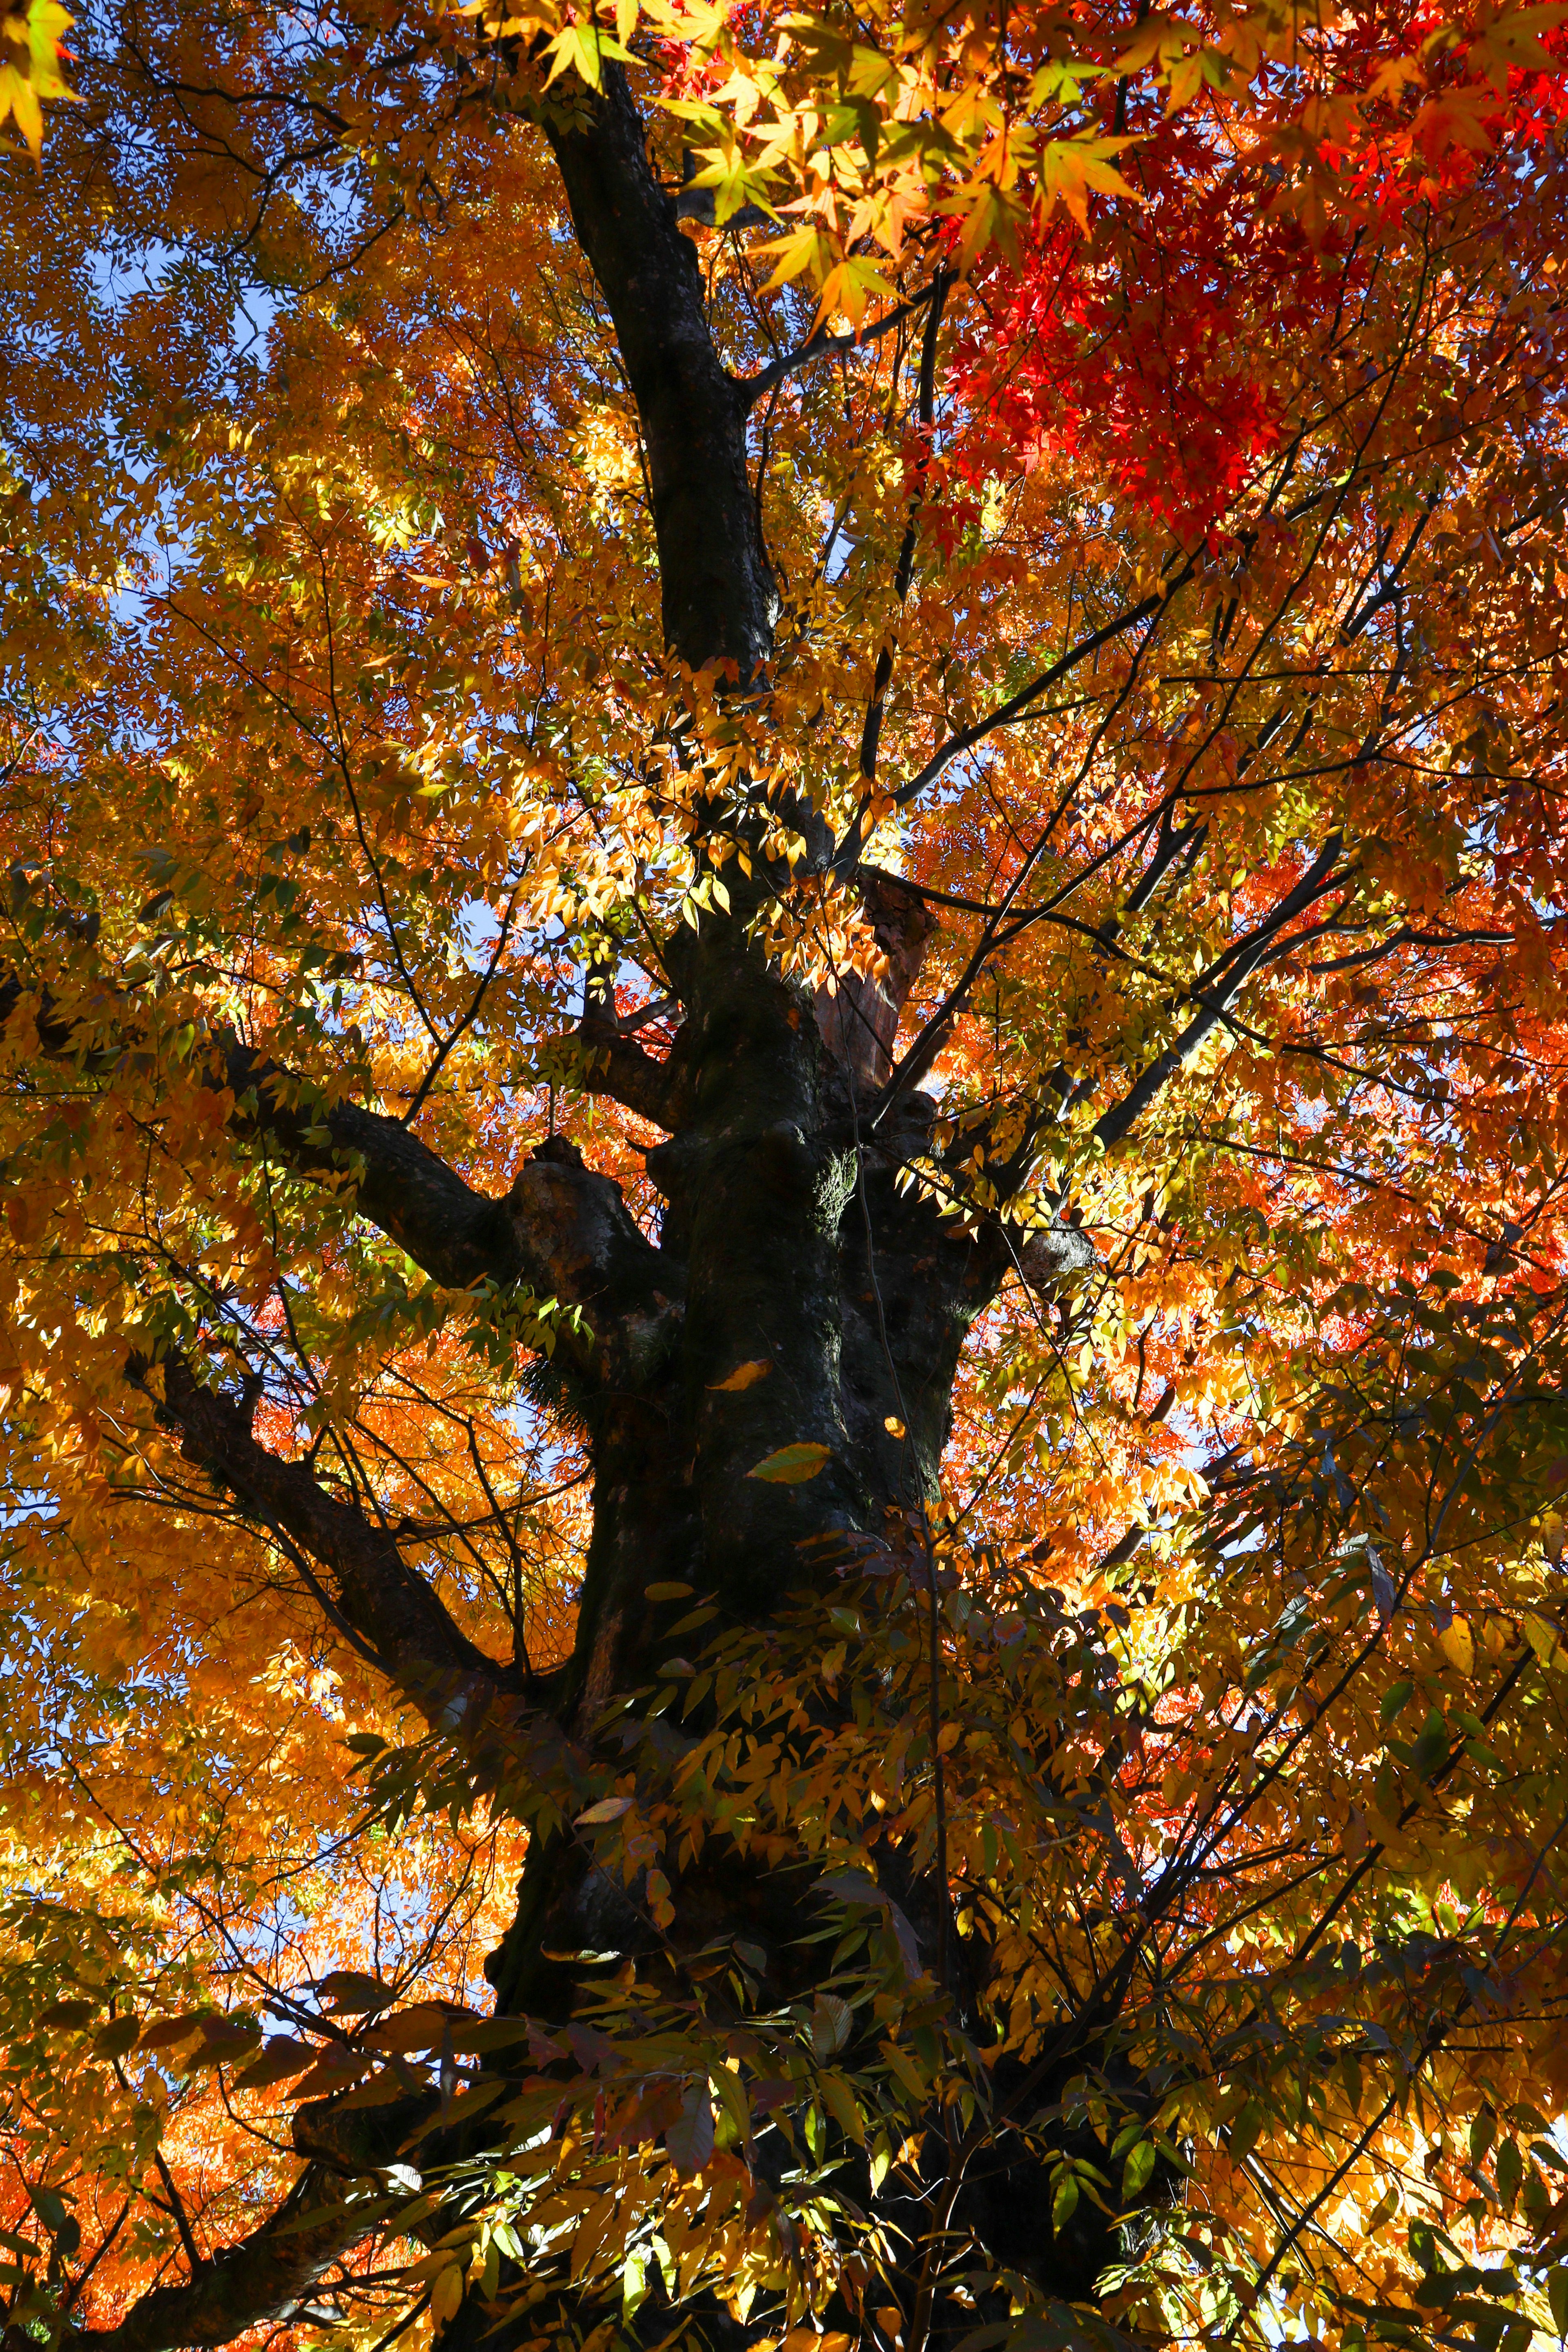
[(783, 1010)]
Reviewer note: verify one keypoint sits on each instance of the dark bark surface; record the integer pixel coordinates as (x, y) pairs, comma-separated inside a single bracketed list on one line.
[(788, 1239), (719, 599)]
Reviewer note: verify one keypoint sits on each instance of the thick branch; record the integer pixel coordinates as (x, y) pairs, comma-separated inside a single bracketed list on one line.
[(719, 600), (618, 1066), (458, 1235), (262, 2277), (387, 1609), (562, 1230)]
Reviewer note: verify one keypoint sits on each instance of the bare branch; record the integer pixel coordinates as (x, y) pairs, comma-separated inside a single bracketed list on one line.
[(819, 345), (1216, 987), (262, 2277), (384, 1606)]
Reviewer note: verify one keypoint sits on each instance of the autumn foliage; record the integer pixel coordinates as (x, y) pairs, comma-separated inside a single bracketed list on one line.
[(784, 1292)]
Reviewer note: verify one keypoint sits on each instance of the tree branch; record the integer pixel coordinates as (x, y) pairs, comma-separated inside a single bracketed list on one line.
[(383, 1605), (1216, 989), (617, 1065), (262, 2277), (819, 345), (1017, 707), (719, 599), (561, 1231)]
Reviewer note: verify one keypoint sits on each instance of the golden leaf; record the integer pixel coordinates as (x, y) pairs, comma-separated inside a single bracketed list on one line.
[(745, 1376), (1458, 1646)]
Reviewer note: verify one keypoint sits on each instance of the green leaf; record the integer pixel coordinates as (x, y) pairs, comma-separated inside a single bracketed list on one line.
[(1064, 2204), (843, 2106), (634, 2285), (1430, 1752), (50, 2208), (1508, 2167), (1135, 2172), (1395, 1698), (832, 2021), (1557, 2296)]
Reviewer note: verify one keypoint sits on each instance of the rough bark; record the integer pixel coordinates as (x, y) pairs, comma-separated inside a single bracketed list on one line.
[(719, 600), (384, 1607)]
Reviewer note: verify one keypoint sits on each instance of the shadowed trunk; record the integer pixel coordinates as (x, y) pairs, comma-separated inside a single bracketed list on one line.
[(785, 1242)]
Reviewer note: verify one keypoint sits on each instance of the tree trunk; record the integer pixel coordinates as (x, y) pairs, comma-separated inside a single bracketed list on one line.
[(785, 1242)]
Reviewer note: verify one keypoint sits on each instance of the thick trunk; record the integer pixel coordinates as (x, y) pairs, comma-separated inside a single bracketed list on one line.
[(785, 1244), (718, 596)]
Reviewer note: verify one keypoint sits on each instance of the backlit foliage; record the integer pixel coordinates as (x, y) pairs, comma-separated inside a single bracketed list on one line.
[(1212, 617)]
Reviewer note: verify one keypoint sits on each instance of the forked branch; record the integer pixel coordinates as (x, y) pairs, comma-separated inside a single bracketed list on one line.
[(265, 2276), (392, 1616), (561, 1231)]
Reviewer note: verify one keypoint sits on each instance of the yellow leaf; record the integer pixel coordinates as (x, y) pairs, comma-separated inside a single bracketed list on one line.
[(1458, 1646), (791, 1465), (745, 1376), (582, 49), (447, 2294), (1070, 168), (848, 288), (894, 1426), (1513, 38), (808, 249), (1542, 1636), (1384, 2210), (40, 31), (19, 97)]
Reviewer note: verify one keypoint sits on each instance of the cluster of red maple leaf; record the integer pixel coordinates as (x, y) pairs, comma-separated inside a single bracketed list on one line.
[(1161, 344)]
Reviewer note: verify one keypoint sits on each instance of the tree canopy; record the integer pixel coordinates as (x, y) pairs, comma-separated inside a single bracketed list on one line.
[(784, 1292)]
